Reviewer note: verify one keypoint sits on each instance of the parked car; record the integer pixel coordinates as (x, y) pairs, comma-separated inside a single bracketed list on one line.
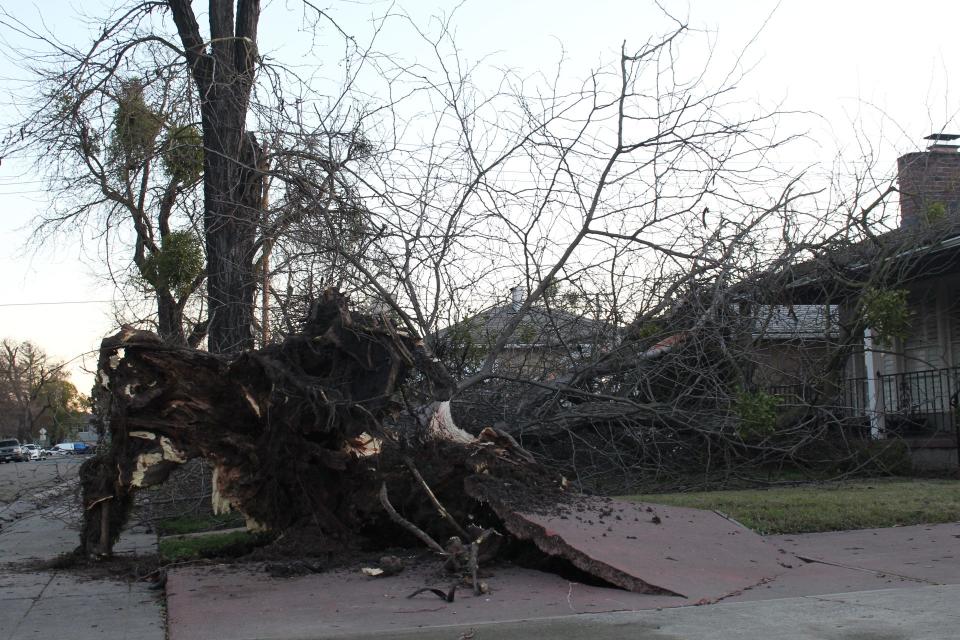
[(76, 448), (10, 451), (32, 452)]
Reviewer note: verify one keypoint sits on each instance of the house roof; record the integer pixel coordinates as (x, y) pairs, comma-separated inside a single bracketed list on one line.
[(909, 253), (540, 327)]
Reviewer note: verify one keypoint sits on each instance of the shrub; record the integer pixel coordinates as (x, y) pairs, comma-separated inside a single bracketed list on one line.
[(935, 212), (886, 312), (757, 414)]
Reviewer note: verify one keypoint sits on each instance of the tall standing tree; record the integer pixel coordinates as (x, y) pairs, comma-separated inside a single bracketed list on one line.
[(224, 67)]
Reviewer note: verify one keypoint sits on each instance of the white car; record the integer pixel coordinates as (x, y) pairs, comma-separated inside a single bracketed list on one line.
[(32, 452)]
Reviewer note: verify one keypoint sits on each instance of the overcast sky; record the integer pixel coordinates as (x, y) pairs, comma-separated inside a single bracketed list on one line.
[(882, 68)]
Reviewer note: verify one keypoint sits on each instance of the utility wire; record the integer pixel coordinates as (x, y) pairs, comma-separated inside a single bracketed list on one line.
[(37, 304)]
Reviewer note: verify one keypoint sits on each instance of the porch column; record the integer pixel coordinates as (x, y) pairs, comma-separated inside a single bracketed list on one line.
[(873, 365)]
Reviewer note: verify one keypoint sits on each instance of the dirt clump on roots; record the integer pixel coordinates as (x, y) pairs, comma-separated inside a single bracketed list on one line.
[(314, 440)]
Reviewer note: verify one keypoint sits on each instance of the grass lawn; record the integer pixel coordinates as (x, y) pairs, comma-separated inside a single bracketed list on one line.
[(214, 545), (210, 545), (854, 504), (194, 523)]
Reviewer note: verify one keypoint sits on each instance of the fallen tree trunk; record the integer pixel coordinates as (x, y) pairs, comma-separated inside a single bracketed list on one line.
[(300, 434)]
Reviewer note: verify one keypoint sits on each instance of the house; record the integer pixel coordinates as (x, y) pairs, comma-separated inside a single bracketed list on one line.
[(548, 344), (904, 382), (548, 340), (792, 344)]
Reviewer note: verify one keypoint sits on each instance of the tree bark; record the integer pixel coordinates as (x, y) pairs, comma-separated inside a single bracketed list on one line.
[(232, 195), (224, 72), (170, 319)]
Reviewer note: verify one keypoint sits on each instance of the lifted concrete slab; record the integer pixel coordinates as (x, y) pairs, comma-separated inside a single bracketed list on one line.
[(651, 548)]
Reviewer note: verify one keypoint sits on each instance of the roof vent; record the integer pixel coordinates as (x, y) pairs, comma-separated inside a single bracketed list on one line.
[(942, 142)]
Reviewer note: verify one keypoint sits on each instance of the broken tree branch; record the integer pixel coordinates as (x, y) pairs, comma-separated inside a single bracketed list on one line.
[(433, 498), (474, 565), (406, 524)]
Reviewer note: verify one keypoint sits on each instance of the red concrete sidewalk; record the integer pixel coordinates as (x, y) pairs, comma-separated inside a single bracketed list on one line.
[(242, 602)]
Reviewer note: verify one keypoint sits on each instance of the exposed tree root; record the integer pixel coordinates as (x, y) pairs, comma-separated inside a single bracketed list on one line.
[(305, 436)]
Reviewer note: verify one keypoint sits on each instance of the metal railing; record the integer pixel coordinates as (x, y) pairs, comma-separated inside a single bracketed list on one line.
[(920, 401), (912, 403)]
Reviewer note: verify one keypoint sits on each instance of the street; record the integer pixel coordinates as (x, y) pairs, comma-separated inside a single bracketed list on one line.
[(18, 479)]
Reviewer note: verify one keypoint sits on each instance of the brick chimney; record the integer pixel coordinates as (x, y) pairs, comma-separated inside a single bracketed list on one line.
[(930, 182)]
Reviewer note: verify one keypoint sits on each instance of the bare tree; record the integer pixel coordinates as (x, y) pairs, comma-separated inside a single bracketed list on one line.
[(34, 393), (641, 194)]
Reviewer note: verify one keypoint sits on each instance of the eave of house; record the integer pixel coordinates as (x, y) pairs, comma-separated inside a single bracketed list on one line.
[(920, 263)]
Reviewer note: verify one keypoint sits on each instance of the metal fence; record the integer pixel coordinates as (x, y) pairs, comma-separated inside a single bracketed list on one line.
[(920, 401), (914, 403)]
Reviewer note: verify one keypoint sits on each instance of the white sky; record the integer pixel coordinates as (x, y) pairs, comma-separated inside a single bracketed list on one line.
[(881, 66)]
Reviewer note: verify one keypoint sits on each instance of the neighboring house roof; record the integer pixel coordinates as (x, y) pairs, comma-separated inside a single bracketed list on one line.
[(540, 327), (926, 243), (664, 345)]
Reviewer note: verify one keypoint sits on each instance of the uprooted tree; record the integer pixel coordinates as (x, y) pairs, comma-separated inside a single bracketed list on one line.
[(632, 195), (307, 433)]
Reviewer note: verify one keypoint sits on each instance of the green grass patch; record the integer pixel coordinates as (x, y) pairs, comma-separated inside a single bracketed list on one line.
[(863, 504), (231, 544), (195, 524)]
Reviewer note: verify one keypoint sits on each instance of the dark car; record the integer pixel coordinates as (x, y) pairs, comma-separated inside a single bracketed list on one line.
[(83, 448), (10, 451)]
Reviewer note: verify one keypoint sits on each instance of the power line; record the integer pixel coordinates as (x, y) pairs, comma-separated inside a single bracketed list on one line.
[(37, 304)]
